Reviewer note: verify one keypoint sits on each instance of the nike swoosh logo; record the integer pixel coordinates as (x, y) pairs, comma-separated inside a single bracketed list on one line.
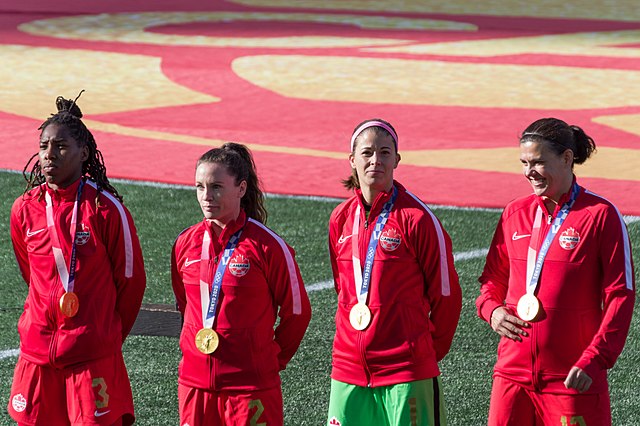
[(32, 233), (515, 236), (342, 238), (190, 262), (100, 414)]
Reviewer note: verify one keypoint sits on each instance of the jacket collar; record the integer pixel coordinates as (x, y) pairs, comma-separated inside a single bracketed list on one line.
[(380, 199), (230, 229), (563, 199), (64, 194)]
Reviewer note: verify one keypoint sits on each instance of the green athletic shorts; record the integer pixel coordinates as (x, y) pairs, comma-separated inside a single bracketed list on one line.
[(418, 403)]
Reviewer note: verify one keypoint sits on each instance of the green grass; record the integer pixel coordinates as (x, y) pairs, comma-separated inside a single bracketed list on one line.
[(161, 213)]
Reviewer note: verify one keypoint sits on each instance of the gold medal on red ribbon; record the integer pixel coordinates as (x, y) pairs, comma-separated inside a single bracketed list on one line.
[(69, 304), (207, 341), (528, 307), (360, 316)]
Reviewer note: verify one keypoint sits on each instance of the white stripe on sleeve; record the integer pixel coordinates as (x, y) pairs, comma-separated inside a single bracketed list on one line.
[(628, 270), (293, 277), (444, 264), (128, 245)]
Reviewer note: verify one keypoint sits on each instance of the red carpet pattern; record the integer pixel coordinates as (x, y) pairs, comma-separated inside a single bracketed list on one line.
[(165, 81)]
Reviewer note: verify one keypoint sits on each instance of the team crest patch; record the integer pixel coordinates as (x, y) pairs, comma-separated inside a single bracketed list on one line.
[(569, 239), (390, 239), (334, 422), (239, 266), (19, 403), (83, 235)]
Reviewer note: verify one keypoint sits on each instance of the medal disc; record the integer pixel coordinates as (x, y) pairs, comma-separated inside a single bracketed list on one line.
[(69, 304), (207, 340), (360, 316), (528, 307)]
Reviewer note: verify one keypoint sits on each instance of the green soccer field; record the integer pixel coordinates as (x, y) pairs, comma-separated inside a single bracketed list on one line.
[(161, 213)]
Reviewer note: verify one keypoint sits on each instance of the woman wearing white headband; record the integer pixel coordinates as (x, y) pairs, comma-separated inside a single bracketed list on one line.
[(399, 299)]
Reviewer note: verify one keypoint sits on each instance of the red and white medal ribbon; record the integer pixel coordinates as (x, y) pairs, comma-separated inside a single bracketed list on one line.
[(67, 276), (355, 258)]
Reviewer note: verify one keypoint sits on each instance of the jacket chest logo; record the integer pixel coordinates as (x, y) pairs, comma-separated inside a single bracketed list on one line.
[(390, 239), (239, 265), (569, 239), (83, 235)]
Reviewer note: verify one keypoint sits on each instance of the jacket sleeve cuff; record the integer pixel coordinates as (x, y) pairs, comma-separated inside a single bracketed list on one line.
[(589, 366), (487, 309)]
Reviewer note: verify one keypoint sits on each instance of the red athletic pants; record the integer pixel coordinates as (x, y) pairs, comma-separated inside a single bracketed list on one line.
[(513, 405)]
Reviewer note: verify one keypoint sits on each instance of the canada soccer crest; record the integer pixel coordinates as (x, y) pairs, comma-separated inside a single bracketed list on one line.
[(239, 266), (569, 239), (19, 403), (83, 235), (390, 239)]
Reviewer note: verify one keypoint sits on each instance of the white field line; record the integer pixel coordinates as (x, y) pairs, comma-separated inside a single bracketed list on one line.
[(628, 219), (465, 255), (324, 284), (9, 353)]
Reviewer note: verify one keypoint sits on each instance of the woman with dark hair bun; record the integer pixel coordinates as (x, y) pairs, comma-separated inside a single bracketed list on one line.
[(78, 252), (558, 286), (232, 277)]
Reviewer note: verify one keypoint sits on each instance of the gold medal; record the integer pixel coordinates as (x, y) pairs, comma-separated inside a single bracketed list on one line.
[(528, 307), (360, 316), (207, 341), (69, 304)]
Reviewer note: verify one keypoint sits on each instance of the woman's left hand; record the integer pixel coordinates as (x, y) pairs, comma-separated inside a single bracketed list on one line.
[(577, 379)]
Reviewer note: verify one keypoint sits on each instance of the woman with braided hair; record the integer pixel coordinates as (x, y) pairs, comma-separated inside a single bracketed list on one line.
[(78, 252)]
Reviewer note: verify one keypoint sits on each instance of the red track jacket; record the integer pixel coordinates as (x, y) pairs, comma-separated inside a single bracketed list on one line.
[(586, 292), (110, 277), (250, 354), (414, 295)]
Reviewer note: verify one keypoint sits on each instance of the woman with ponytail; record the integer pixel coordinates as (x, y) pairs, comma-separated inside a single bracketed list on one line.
[(78, 252), (232, 277), (399, 298), (558, 286)]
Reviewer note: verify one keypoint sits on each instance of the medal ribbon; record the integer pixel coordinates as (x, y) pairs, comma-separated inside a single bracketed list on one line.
[(363, 278), (209, 301), (534, 269), (66, 277)]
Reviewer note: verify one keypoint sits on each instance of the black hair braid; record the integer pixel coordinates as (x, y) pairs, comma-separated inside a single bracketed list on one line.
[(69, 115), (34, 177)]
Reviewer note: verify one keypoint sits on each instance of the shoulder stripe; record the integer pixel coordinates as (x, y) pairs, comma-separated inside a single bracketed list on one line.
[(444, 264), (128, 245), (293, 277), (628, 269)]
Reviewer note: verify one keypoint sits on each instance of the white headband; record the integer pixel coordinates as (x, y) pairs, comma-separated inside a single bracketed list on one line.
[(373, 123)]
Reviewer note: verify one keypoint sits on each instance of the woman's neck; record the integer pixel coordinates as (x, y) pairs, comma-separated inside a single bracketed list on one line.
[(370, 193), (218, 225)]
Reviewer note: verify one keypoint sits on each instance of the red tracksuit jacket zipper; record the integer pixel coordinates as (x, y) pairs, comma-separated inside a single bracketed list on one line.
[(363, 357), (212, 360), (53, 303), (544, 229)]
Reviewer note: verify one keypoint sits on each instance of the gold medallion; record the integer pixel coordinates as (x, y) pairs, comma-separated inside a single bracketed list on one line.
[(69, 304), (528, 307), (207, 341), (360, 316)]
